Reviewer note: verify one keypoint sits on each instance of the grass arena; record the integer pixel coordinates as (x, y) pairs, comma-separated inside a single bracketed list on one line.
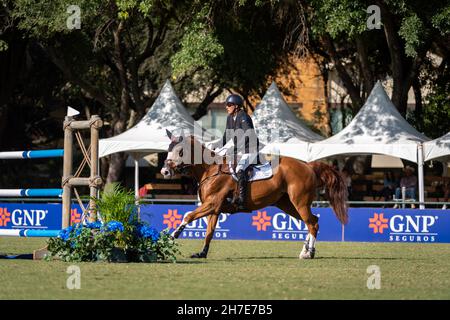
[(239, 270), (380, 254)]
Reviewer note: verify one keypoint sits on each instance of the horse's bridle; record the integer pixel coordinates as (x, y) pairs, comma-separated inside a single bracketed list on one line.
[(180, 168)]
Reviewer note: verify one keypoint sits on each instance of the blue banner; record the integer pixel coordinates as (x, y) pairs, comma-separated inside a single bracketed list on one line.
[(365, 224), (394, 225), (266, 224), (270, 223), (39, 216)]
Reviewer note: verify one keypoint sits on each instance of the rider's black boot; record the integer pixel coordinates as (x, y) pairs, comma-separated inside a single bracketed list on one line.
[(242, 187)]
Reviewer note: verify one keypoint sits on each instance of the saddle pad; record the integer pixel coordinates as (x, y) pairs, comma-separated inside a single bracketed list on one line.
[(259, 172)]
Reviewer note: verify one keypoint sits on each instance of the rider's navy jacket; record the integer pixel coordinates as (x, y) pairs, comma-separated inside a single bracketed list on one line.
[(244, 122)]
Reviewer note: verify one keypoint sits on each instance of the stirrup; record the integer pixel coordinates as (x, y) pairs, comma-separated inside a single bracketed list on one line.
[(241, 206), (230, 201)]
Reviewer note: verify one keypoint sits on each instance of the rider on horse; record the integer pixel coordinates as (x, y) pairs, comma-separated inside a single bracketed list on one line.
[(245, 149)]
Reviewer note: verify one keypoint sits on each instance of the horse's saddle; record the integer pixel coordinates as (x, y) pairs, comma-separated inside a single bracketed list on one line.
[(256, 172)]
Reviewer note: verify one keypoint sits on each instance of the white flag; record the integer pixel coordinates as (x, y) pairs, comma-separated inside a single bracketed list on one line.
[(71, 112)]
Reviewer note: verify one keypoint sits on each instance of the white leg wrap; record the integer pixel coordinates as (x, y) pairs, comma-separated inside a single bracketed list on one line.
[(312, 241), (305, 245), (181, 226), (308, 250)]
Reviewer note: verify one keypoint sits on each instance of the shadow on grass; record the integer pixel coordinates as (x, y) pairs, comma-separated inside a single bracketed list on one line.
[(362, 258), (316, 258), (259, 258)]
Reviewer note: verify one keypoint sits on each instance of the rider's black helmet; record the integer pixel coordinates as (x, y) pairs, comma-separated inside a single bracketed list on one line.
[(235, 99)]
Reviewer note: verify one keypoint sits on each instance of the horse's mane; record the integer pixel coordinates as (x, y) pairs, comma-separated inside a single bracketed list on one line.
[(194, 141)]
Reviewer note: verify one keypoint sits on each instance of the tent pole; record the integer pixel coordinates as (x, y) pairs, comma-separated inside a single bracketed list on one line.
[(136, 179), (420, 173)]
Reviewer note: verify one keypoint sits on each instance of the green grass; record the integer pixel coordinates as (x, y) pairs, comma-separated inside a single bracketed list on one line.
[(240, 270)]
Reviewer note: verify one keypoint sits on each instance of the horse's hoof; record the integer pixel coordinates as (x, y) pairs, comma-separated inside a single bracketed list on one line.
[(306, 255), (174, 235), (199, 255)]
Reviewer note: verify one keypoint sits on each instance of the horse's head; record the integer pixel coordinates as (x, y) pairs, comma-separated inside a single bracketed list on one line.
[(177, 157)]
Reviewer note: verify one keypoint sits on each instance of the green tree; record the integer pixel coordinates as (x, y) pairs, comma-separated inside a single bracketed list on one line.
[(117, 60), (106, 61), (236, 46), (434, 120), (409, 30)]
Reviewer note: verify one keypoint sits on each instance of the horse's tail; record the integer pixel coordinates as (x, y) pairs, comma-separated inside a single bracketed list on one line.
[(335, 188)]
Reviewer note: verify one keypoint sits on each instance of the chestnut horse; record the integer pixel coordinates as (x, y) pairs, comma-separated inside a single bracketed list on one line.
[(292, 188)]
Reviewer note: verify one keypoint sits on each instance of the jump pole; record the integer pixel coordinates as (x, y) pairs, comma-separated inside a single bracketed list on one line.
[(33, 154), (31, 192), (28, 233)]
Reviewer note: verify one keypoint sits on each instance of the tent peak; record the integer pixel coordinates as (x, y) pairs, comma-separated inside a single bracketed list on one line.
[(275, 120)]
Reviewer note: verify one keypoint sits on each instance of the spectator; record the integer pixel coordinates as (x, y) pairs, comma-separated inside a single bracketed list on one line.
[(389, 185), (409, 181)]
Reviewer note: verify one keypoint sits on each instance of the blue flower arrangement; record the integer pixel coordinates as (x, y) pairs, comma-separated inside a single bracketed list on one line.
[(113, 226), (148, 232), (94, 225), (119, 237), (113, 241)]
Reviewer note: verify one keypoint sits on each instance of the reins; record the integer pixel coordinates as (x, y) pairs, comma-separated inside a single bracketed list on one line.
[(182, 167), (219, 171)]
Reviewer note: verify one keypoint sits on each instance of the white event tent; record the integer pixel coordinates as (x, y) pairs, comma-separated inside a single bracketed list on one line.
[(437, 149), (280, 129), (378, 128), (149, 134)]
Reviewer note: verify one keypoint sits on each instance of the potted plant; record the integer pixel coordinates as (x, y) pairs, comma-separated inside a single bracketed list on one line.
[(118, 237)]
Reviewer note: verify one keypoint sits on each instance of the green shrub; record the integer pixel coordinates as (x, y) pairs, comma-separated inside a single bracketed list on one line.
[(120, 237), (112, 242), (117, 204)]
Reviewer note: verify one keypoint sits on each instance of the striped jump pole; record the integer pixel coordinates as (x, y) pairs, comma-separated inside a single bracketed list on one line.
[(28, 233), (34, 154), (94, 181), (31, 192)]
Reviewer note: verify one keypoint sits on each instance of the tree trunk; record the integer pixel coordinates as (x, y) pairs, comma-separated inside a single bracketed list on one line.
[(116, 167), (352, 90), (365, 66), (202, 108), (419, 107), (117, 160), (399, 99)]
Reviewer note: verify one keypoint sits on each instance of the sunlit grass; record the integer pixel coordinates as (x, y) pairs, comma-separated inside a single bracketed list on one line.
[(240, 270)]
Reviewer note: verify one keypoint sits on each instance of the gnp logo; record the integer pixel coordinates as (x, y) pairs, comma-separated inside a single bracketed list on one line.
[(5, 217), (75, 216), (196, 229), (284, 227), (19, 218), (404, 228)]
